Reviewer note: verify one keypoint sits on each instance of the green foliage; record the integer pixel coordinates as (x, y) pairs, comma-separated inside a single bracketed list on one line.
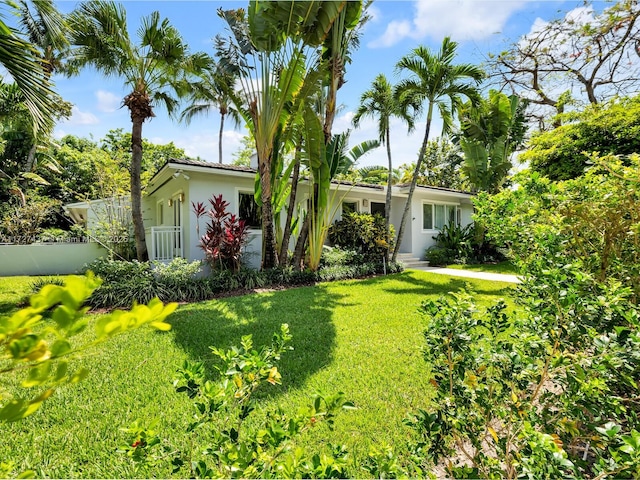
[(594, 217), (363, 233), (126, 282), (549, 390), (440, 167), (37, 342), (490, 132), (565, 152), (528, 394), (238, 445), (242, 156), (457, 244), (336, 256), (23, 223)]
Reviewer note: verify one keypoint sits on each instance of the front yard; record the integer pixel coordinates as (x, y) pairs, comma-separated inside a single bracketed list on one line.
[(363, 338)]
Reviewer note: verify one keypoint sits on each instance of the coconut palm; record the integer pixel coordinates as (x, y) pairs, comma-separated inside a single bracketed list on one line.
[(47, 30), (153, 69), (379, 103), (434, 82), (208, 93), (23, 63)]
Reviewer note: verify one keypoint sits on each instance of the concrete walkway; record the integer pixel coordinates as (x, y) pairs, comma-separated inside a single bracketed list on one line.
[(495, 277)]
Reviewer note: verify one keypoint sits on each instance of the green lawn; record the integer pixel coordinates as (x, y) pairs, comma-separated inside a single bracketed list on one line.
[(502, 267), (363, 338)]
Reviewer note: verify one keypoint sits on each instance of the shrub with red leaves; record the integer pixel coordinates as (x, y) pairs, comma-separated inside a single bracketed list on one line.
[(225, 235)]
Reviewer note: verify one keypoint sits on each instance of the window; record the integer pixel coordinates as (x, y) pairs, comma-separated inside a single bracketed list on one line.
[(349, 207), (438, 215), (377, 207), (249, 210)]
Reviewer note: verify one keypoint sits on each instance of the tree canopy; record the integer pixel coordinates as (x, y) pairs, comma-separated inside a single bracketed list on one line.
[(609, 128)]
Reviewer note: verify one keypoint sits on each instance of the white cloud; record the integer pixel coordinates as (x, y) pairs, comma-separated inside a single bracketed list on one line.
[(107, 102), (79, 117), (459, 19), (205, 146)]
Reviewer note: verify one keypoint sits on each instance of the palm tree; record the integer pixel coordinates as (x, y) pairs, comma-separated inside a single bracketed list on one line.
[(47, 30), (434, 80), (23, 63), (209, 92), (152, 70), (379, 102)]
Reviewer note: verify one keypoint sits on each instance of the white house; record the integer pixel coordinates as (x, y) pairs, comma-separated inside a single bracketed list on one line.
[(171, 224)]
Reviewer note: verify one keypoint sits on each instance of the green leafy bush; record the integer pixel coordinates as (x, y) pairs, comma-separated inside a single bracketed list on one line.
[(595, 218), (457, 244), (180, 281), (549, 390), (364, 233), (337, 256), (244, 442)]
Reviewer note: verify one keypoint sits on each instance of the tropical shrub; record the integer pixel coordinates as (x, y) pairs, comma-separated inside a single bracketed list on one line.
[(595, 218), (456, 244), (22, 224), (243, 444), (180, 281), (336, 256), (364, 233), (547, 392), (225, 236), (127, 282), (607, 128)]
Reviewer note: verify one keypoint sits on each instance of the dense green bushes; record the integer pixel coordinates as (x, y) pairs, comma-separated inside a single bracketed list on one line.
[(363, 233), (594, 218), (463, 245), (181, 281), (550, 390)]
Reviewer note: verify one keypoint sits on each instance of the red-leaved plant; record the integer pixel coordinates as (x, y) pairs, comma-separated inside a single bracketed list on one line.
[(225, 236)]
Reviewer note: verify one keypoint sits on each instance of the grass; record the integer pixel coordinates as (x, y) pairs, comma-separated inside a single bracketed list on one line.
[(501, 267), (363, 338)]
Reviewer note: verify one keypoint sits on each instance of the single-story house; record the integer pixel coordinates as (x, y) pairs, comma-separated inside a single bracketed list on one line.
[(171, 224)]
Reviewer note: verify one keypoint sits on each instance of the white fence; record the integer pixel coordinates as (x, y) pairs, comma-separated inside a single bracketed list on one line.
[(166, 243), (47, 258)]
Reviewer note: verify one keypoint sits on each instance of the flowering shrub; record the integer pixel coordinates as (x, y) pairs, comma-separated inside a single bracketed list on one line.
[(225, 235)]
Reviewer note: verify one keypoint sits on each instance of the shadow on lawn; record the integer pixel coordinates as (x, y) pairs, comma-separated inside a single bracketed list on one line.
[(222, 323)]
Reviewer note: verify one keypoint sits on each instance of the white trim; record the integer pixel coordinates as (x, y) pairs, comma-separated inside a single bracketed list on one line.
[(433, 218)]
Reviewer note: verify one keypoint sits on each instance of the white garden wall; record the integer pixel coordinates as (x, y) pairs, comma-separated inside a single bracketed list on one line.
[(47, 258)]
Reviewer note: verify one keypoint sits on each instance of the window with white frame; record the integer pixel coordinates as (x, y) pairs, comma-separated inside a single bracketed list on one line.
[(437, 215)]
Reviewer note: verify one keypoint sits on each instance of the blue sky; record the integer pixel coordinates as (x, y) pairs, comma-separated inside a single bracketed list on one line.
[(480, 26)]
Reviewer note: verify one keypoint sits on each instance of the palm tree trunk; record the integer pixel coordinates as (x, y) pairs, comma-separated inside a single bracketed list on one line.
[(414, 181), (286, 235), (269, 256), (301, 243), (220, 138), (31, 157), (387, 206), (136, 189)]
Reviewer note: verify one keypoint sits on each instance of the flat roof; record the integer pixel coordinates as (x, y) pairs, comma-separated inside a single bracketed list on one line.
[(252, 171)]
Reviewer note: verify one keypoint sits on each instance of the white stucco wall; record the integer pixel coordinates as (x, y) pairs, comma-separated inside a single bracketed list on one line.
[(200, 185), (47, 258), (422, 239)]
